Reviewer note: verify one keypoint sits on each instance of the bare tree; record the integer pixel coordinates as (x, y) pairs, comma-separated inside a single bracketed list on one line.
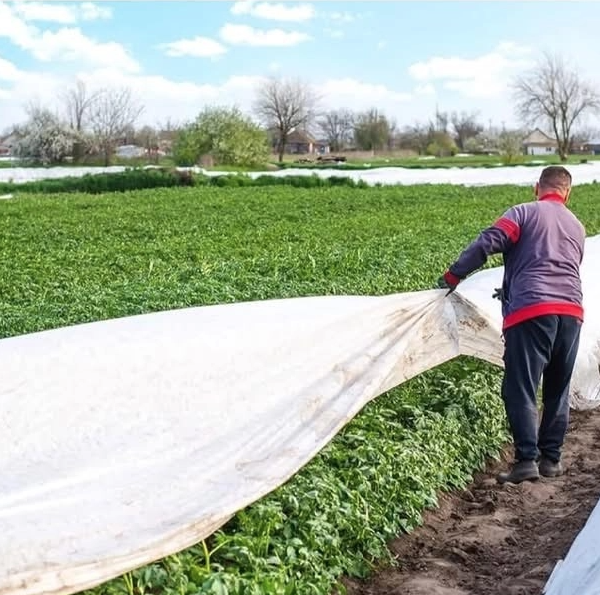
[(337, 127), (147, 137), (283, 105), (393, 134), (441, 122), (510, 143), (465, 127), (415, 137), (78, 103), (114, 112), (554, 93)]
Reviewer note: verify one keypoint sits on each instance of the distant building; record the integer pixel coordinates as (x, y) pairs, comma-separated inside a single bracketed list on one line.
[(300, 142), (592, 146), (166, 140), (130, 151), (539, 143), (7, 145)]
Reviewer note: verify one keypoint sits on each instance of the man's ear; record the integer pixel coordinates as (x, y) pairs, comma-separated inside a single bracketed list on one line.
[(567, 195), (536, 189)]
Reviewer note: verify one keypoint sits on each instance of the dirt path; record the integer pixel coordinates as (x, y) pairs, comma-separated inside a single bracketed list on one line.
[(498, 540)]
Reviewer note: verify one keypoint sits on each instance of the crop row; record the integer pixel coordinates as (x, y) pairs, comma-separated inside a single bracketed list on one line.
[(142, 179), (74, 258)]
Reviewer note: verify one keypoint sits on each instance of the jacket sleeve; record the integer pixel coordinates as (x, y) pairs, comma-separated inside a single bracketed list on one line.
[(582, 245), (498, 238)]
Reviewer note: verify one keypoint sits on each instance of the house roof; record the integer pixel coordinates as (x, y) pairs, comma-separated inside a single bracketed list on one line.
[(167, 135), (537, 137), (299, 136), (594, 141), (8, 141)]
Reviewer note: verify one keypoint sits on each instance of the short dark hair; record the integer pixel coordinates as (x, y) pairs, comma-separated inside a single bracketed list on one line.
[(555, 176)]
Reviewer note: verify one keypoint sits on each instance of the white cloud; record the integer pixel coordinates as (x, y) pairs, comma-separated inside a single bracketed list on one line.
[(381, 45), (67, 44), (199, 47), (25, 88), (8, 71), (14, 28), (65, 14), (360, 95), (72, 45), (181, 101), (92, 12), (40, 11), (274, 11), (482, 77), (246, 35), (162, 98), (178, 101), (427, 89)]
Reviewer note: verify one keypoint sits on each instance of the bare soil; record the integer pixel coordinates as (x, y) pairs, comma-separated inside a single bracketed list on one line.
[(494, 539)]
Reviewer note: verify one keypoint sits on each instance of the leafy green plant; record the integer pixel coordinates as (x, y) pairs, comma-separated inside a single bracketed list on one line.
[(140, 179), (130, 179)]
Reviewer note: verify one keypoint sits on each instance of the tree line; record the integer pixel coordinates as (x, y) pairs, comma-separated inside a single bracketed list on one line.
[(552, 95)]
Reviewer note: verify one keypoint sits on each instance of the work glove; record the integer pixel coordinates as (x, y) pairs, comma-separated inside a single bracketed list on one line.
[(448, 281)]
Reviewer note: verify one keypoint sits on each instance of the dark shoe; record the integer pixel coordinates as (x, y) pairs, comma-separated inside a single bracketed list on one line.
[(521, 471), (550, 468)]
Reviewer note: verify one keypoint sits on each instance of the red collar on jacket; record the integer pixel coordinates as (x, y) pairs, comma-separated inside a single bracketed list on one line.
[(553, 196)]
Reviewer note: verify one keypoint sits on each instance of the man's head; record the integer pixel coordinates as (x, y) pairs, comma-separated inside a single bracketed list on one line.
[(554, 179)]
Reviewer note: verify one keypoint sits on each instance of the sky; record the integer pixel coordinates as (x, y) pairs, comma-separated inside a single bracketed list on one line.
[(404, 58)]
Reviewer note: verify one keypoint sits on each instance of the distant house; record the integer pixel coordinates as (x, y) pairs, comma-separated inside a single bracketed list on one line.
[(166, 140), (300, 142), (7, 145), (130, 151), (592, 146), (539, 143)]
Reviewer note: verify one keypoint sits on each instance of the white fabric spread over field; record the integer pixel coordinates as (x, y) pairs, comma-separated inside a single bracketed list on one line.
[(126, 440), (579, 572), (583, 173)]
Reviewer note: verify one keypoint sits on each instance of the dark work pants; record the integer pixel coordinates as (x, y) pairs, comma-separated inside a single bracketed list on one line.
[(546, 345)]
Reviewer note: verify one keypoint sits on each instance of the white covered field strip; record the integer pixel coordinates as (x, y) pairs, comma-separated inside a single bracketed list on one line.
[(583, 173)]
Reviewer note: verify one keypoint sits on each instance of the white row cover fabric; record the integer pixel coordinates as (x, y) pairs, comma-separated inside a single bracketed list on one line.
[(126, 440), (579, 572), (583, 173)]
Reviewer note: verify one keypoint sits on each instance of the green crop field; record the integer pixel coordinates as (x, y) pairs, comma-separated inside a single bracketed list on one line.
[(74, 258)]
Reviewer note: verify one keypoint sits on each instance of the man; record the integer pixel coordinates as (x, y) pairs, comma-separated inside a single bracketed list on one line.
[(542, 243)]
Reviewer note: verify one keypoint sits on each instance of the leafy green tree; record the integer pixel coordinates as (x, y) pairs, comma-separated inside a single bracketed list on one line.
[(441, 145), (230, 137), (371, 130)]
